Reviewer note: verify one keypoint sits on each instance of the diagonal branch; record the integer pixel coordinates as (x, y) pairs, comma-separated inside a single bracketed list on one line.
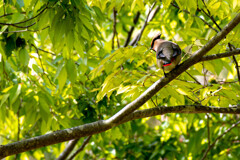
[(218, 138), (68, 149), (205, 22), (85, 142), (132, 28), (148, 19), (101, 126), (126, 114), (208, 13), (152, 90)]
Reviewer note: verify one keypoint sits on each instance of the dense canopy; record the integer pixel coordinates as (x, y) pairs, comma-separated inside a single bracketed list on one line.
[(82, 68)]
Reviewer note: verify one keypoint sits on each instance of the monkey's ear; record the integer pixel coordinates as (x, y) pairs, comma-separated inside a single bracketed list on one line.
[(158, 36)]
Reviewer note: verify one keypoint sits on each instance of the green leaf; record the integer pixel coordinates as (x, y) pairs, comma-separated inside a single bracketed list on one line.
[(60, 66), (20, 3), (4, 98), (62, 78), (44, 106), (3, 29), (24, 57), (37, 69), (179, 98), (10, 46), (43, 20), (26, 3), (71, 70), (86, 22), (78, 45), (70, 41), (84, 33), (116, 133), (17, 17), (14, 93)]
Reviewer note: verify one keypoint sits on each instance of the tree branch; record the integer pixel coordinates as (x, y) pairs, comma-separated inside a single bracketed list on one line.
[(26, 30), (132, 28), (139, 35), (44, 73), (220, 55), (85, 142), (126, 114), (229, 45), (205, 22), (9, 14), (218, 138), (101, 126), (195, 58), (114, 26), (14, 25), (68, 149)]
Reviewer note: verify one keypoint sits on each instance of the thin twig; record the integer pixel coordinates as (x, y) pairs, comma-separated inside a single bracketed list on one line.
[(47, 51), (114, 26), (192, 100), (25, 30), (204, 74), (210, 16), (205, 22), (85, 142), (151, 97), (128, 112), (208, 128), (9, 14), (14, 25), (138, 37), (229, 44), (42, 65), (218, 138), (118, 43), (32, 17), (193, 78), (235, 61), (237, 67), (18, 124), (132, 28)]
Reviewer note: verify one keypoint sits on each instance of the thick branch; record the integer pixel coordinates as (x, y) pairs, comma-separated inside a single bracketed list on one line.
[(53, 138), (144, 97), (126, 113), (229, 45), (101, 126)]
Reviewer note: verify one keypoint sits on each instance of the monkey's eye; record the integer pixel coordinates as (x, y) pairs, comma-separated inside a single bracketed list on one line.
[(160, 55)]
